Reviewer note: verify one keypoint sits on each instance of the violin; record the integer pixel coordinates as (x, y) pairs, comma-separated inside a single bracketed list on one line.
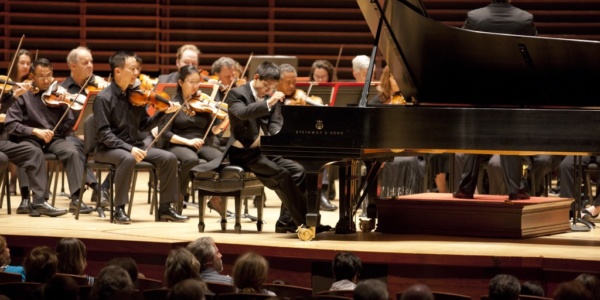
[(9, 84), (96, 83), (300, 98), (202, 103), (56, 96), (147, 83), (142, 97)]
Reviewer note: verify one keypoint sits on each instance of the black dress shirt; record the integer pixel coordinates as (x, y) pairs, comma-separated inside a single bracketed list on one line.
[(120, 124)]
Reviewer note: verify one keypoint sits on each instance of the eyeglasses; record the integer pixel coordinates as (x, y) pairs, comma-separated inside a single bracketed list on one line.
[(267, 85), (192, 82), (44, 77)]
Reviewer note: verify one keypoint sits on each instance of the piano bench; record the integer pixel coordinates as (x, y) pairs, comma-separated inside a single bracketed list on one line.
[(225, 181)]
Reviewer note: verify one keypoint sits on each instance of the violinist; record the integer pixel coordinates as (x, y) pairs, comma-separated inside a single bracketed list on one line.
[(30, 120), (120, 127), (184, 136), (287, 85), (388, 90), (322, 71), (186, 55), (81, 64), (223, 69), (20, 73)]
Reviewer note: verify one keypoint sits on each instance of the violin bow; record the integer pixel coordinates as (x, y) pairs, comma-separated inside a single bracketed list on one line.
[(12, 64), (164, 128), (337, 63), (70, 105), (209, 128)]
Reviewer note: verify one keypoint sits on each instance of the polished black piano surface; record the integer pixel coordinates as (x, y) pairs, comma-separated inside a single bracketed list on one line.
[(471, 92)]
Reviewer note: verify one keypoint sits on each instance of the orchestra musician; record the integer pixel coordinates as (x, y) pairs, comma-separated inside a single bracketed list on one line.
[(287, 85), (498, 17), (119, 126), (184, 135), (186, 55), (255, 110), (30, 120), (81, 65), (18, 74), (360, 66), (322, 71), (224, 70)]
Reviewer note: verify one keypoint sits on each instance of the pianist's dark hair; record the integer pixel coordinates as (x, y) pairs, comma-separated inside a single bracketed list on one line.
[(184, 72), (44, 62), (268, 71), (118, 59)]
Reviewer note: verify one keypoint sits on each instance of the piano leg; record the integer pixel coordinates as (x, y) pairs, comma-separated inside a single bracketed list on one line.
[(313, 179), (349, 182)]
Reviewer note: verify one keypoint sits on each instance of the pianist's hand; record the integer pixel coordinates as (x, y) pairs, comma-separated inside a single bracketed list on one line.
[(277, 97)]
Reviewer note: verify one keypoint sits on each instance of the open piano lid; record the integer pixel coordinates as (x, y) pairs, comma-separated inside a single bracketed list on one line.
[(440, 64)]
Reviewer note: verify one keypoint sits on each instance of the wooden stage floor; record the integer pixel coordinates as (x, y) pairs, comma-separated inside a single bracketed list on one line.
[(400, 259)]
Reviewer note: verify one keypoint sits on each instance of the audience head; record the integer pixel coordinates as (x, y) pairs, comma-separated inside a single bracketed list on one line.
[(128, 264), (571, 290), (416, 292), (250, 272), (504, 287), (181, 264), (592, 283), (322, 71), (188, 289), (40, 265), (346, 265), (4, 252), (112, 281), (360, 66), (207, 253), (371, 289), (71, 254), (187, 55), (532, 288), (61, 288)]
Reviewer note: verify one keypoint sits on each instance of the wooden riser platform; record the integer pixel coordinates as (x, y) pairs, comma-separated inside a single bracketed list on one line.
[(484, 216)]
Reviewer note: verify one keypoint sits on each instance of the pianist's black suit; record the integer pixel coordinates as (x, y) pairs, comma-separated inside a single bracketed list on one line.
[(498, 18), (248, 116)]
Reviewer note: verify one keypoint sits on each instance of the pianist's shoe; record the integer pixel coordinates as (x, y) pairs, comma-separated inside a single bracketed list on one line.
[(462, 195), (518, 196)]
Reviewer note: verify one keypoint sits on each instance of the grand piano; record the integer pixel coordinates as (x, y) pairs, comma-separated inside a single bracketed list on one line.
[(469, 91)]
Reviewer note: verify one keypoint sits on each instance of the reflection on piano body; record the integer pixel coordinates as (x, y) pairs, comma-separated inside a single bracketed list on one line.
[(475, 92)]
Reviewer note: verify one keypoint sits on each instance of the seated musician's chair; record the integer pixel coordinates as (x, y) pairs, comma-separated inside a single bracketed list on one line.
[(227, 180), (89, 148)]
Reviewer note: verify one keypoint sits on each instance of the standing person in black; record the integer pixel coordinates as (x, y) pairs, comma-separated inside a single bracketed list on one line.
[(497, 17), (119, 125), (30, 120), (255, 110)]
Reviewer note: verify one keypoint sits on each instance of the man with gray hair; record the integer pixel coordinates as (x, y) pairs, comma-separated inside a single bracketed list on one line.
[(207, 253), (360, 65)]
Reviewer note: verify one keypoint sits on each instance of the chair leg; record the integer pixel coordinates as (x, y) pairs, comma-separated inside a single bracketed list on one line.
[(238, 211), (5, 191), (62, 182), (81, 189), (259, 222), (201, 211), (588, 183), (132, 192), (54, 169), (154, 204)]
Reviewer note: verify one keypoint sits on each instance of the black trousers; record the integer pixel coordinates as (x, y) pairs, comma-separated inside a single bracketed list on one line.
[(125, 164), (29, 158), (276, 174)]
